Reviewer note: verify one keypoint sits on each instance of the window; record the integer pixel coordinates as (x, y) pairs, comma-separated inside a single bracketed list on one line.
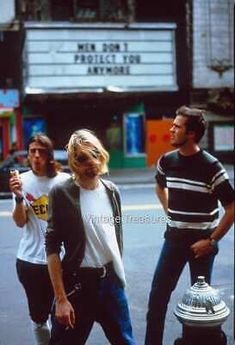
[(152, 11), (62, 10), (75, 10), (86, 10)]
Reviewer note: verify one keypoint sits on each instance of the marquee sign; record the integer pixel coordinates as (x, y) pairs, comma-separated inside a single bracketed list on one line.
[(78, 58)]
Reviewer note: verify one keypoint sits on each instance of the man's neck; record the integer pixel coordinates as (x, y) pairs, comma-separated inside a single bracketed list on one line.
[(88, 183), (189, 149), (40, 173)]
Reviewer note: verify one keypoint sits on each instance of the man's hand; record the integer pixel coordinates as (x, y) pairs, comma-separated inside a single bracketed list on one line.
[(15, 183), (65, 313), (202, 247)]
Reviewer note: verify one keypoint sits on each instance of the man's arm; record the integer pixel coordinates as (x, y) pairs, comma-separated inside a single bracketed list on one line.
[(225, 223), (64, 310), (204, 247), (19, 213), (162, 194)]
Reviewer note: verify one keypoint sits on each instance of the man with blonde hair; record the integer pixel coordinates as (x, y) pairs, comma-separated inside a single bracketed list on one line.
[(85, 216)]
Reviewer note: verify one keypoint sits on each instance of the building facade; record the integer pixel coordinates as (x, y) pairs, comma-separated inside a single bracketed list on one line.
[(10, 79), (122, 68), (213, 72)]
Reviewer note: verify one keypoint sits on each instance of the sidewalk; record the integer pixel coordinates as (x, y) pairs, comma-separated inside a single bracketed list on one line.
[(132, 176), (146, 175)]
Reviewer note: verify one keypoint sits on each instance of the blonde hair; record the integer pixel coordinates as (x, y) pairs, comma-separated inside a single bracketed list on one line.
[(84, 140)]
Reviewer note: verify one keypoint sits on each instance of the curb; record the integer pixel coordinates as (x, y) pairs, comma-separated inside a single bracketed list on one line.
[(145, 175)]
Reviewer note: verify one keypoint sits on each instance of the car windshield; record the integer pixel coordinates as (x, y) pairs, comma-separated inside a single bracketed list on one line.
[(18, 158)]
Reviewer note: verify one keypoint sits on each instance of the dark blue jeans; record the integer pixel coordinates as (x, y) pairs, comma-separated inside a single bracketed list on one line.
[(173, 258), (100, 300)]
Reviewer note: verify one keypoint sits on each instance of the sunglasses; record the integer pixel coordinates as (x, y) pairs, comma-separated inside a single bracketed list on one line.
[(41, 152), (85, 157)]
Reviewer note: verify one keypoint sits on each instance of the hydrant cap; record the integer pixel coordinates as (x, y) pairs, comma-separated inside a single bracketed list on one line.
[(201, 306)]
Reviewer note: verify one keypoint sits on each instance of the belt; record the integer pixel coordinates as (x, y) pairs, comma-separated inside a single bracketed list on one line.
[(99, 272)]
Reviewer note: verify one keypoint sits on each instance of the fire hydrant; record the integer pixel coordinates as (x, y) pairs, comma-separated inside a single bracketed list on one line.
[(202, 313)]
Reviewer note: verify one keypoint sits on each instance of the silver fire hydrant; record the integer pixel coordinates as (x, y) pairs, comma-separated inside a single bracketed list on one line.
[(202, 313)]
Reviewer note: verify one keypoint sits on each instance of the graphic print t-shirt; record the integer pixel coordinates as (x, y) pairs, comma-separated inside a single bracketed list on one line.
[(36, 189)]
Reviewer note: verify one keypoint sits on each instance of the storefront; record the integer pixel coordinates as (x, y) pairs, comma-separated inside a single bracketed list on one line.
[(107, 77), (10, 122)]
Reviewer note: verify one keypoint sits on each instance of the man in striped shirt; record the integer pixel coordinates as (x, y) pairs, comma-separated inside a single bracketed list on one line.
[(190, 185)]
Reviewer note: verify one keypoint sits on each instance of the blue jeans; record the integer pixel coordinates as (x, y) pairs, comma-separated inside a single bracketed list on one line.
[(100, 300), (173, 258)]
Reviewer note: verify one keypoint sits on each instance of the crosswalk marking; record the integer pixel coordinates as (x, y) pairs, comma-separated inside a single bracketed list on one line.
[(137, 207), (5, 213), (141, 207)]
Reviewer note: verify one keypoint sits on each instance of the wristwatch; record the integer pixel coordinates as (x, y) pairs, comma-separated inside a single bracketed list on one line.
[(213, 242), (19, 199)]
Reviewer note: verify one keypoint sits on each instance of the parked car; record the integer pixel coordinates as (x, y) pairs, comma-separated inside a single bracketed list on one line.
[(18, 160)]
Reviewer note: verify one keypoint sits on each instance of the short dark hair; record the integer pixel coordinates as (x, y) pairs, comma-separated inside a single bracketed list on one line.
[(46, 142), (195, 120)]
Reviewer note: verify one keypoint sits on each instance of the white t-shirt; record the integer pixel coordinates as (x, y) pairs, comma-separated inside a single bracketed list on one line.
[(35, 189), (101, 242)]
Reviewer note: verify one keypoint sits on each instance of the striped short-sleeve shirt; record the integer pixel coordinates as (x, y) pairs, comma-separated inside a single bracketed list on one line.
[(195, 185)]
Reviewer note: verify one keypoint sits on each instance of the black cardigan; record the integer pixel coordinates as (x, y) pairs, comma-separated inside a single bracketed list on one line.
[(65, 225)]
